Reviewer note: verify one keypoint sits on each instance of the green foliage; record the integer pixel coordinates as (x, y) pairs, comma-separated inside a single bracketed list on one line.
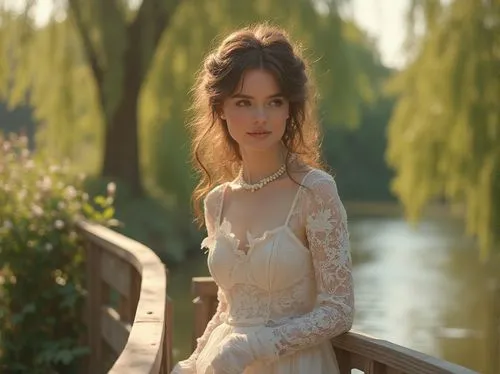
[(357, 155), (41, 257), (68, 97), (152, 219), (342, 55), (76, 107), (445, 133)]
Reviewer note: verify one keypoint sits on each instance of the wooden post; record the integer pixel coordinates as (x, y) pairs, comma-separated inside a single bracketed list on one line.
[(205, 302), (376, 368), (128, 304), (94, 301), (135, 292), (344, 361), (201, 317), (166, 365)]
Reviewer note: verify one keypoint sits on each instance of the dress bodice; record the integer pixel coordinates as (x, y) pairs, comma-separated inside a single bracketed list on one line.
[(271, 281)]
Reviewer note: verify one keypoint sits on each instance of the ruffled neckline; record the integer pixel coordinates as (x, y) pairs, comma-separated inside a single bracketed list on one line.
[(225, 231)]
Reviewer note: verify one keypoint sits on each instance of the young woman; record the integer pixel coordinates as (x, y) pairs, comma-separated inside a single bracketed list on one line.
[(278, 243)]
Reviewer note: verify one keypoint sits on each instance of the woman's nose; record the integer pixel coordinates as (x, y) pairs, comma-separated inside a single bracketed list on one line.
[(260, 114)]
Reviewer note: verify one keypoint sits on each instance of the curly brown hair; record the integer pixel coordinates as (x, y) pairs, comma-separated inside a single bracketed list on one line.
[(215, 154)]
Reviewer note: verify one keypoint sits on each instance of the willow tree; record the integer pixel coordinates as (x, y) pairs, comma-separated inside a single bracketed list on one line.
[(444, 137), (90, 74), (86, 68)]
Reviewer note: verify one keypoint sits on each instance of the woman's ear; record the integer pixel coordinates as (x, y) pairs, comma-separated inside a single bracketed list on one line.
[(220, 112)]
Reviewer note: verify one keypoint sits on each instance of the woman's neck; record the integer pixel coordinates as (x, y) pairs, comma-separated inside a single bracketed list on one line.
[(261, 164)]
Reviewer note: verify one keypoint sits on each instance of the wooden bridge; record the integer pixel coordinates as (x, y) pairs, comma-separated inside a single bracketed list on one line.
[(129, 316)]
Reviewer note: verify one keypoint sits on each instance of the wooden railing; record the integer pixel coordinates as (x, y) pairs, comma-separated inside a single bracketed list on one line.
[(353, 350), (128, 314)]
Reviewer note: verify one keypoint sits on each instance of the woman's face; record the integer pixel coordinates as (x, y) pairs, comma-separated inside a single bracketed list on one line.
[(256, 114)]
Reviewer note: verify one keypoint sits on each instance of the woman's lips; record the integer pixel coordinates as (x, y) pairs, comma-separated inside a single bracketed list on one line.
[(259, 134)]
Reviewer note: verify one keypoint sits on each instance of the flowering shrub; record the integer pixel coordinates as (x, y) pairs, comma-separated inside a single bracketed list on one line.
[(41, 258)]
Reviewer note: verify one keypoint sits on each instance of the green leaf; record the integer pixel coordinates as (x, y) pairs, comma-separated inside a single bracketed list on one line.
[(108, 213)]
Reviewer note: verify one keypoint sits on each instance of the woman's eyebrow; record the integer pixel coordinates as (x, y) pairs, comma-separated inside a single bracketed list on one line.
[(243, 96)]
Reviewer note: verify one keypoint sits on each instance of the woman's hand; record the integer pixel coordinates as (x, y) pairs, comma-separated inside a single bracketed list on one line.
[(184, 367), (235, 354)]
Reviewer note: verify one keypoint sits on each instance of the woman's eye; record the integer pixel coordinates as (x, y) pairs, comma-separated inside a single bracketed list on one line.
[(243, 103), (276, 102)]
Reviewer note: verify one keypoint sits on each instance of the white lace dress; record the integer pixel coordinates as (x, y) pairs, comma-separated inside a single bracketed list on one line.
[(285, 299)]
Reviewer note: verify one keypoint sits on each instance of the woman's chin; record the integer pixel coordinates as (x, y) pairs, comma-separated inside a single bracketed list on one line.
[(262, 145)]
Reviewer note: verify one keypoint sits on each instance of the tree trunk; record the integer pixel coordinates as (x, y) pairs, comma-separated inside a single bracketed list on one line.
[(121, 143), (121, 148)]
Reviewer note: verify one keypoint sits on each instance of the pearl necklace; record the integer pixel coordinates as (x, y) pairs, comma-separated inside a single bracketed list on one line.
[(257, 186)]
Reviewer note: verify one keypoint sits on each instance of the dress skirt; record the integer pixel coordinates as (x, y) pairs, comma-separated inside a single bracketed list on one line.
[(319, 359)]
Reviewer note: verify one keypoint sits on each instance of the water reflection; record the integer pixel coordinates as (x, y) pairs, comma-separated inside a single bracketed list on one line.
[(423, 288)]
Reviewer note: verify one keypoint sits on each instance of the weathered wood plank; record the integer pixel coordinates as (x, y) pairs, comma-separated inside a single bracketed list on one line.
[(202, 314), (167, 353), (116, 272), (394, 356), (93, 254), (114, 331), (124, 309), (204, 286), (108, 357), (135, 292), (344, 361), (358, 362), (374, 367), (390, 370), (145, 289)]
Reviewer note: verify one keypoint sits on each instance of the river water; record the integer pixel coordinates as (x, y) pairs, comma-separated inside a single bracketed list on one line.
[(423, 288)]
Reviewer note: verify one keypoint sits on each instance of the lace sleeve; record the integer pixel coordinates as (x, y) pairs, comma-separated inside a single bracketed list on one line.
[(188, 366), (328, 238)]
